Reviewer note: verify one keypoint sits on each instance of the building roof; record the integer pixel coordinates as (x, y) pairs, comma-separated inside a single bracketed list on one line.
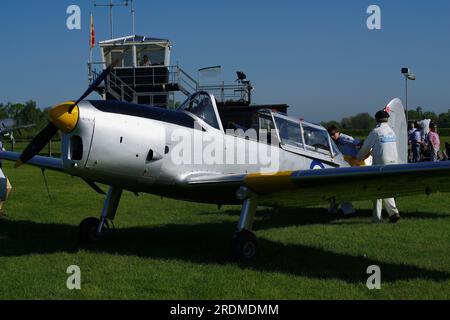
[(134, 39)]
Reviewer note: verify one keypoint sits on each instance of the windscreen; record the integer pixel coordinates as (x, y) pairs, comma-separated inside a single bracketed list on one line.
[(316, 139), (201, 106), (289, 132)]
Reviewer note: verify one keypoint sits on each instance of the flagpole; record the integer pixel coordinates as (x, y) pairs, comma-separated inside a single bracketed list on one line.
[(90, 40), (91, 46)]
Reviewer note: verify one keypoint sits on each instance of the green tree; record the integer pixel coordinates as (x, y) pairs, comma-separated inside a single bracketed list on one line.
[(415, 114), (444, 119), (327, 124), (419, 111), (360, 121), (430, 115), (3, 111), (14, 110), (30, 113)]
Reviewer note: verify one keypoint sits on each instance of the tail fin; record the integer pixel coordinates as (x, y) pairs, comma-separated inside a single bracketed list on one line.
[(397, 122)]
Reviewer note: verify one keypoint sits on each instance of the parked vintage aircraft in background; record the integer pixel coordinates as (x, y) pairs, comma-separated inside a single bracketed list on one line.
[(129, 147), (9, 126)]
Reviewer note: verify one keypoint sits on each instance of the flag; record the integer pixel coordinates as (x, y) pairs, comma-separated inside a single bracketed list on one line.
[(92, 38)]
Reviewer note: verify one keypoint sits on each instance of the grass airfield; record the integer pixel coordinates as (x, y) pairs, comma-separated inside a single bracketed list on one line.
[(166, 249)]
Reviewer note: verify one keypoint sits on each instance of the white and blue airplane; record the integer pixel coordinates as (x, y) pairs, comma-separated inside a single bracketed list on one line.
[(129, 147)]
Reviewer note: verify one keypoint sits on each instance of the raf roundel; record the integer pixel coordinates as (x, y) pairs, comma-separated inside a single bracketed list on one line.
[(316, 165)]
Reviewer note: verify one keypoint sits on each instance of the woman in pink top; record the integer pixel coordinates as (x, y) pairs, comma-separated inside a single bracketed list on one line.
[(434, 142)]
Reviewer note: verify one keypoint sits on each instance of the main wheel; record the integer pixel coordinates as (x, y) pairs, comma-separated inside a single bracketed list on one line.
[(244, 246), (88, 230)]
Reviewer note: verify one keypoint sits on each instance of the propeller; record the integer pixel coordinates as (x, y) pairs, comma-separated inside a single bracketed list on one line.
[(37, 144), (63, 117), (94, 85)]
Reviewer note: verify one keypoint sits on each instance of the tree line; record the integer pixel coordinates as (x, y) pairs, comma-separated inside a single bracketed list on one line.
[(25, 113), (365, 121)]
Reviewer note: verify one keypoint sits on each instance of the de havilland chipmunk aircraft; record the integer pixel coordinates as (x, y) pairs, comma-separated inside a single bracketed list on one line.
[(128, 147)]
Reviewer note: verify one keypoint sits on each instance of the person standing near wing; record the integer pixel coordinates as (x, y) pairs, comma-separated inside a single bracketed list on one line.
[(382, 144), (349, 148), (348, 145), (434, 143), (416, 142), (5, 192), (424, 127)]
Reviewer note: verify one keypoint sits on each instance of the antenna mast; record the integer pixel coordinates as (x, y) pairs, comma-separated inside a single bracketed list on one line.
[(111, 5), (133, 17)]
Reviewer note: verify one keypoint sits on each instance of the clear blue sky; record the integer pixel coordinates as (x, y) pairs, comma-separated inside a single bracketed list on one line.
[(317, 56)]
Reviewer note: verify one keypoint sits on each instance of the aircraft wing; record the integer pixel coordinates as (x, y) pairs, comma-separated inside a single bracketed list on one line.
[(5, 130), (312, 187), (38, 161)]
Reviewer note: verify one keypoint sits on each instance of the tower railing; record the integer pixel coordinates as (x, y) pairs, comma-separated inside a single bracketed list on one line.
[(129, 83), (152, 78)]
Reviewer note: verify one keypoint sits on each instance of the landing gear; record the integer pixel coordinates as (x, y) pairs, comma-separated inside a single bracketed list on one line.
[(88, 230), (244, 244), (92, 229)]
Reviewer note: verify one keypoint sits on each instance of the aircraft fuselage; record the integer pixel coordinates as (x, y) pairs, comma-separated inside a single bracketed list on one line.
[(141, 150)]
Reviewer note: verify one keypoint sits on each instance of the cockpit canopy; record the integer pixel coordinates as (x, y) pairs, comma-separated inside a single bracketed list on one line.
[(298, 133), (294, 135), (201, 106)]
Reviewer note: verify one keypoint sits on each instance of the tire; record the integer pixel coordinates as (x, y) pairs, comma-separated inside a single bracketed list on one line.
[(244, 246), (88, 231)]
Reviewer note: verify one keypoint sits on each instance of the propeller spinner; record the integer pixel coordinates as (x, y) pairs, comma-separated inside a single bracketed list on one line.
[(63, 117)]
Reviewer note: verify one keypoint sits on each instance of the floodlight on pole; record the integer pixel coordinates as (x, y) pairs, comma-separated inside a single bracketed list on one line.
[(408, 76)]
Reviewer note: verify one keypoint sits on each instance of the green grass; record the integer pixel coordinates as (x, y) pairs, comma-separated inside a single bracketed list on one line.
[(22, 144), (166, 249)]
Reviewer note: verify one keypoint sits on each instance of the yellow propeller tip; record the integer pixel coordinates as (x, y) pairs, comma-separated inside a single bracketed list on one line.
[(18, 164)]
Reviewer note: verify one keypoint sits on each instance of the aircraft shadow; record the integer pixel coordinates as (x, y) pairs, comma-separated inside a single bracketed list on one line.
[(285, 217), (204, 243)]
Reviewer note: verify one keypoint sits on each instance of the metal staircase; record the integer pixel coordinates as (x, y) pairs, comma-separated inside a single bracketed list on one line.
[(157, 81), (119, 89)]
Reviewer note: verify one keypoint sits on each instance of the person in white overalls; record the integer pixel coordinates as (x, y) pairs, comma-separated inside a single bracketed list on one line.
[(382, 145)]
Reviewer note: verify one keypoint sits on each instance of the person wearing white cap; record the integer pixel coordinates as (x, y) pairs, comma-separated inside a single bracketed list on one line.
[(382, 145)]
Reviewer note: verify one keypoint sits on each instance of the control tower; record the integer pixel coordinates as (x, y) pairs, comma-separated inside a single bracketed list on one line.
[(142, 72)]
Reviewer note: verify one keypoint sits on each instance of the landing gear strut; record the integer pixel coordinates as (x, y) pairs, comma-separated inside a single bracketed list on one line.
[(244, 244), (92, 229)]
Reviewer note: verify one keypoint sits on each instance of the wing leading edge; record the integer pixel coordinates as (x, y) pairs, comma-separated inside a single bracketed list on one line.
[(38, 161), (311, 187)]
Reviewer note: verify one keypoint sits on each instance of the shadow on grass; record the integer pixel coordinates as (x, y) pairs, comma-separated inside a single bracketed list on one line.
[(206, 244), (286, 217)]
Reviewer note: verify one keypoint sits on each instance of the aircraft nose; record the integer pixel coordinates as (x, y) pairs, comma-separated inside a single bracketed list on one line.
[(61, 118)]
